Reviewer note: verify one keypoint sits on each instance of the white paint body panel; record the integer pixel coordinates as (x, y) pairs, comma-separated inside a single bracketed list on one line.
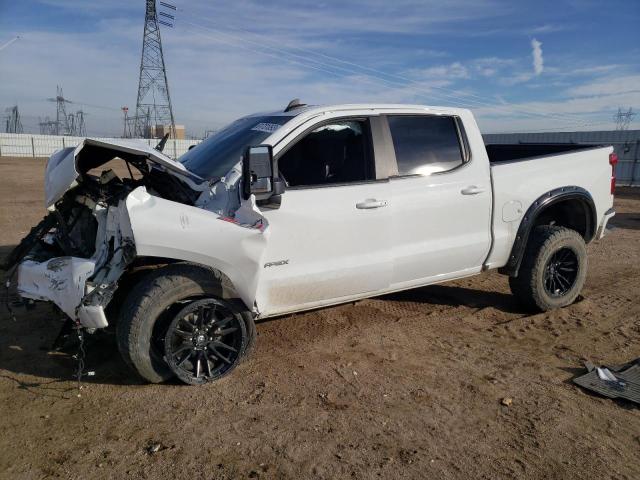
[(332, 249), (440, 232), (524, 181), (162, 228)]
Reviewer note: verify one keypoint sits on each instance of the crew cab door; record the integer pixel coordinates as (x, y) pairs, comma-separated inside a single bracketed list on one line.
[(329, 238), (441, 215)]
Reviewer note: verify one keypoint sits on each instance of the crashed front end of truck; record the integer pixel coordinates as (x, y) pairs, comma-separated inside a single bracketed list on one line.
[(98, 224)]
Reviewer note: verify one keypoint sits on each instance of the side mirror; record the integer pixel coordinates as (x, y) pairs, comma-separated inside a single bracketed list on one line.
[(260, 174)]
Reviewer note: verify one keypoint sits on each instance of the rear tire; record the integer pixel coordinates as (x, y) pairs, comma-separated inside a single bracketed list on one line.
[(152, 305), (553, 269)]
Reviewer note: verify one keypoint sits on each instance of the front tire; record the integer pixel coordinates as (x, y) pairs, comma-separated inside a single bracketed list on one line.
[(553, 269), (152, 306)]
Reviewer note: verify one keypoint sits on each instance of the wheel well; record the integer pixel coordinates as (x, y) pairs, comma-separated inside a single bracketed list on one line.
[(571, 207), (143, 266), (574, 213)]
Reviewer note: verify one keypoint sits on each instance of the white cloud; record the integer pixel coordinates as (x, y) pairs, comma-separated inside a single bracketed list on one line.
[(586, 107), (538, 61), (615, 85), (490, 66), (219, 73), (548, 28)]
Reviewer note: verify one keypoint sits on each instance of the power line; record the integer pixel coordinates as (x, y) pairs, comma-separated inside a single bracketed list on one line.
[(414, 86)]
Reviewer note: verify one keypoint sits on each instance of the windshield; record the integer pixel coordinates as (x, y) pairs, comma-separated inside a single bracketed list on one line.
[(217, 154)]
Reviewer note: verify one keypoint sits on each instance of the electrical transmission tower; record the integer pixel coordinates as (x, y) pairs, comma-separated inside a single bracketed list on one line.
[(13, 123), (47, 126), (153, 106), (623, 118), (78, 129), (62, 126)]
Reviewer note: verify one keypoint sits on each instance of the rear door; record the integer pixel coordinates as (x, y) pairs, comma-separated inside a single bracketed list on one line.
[(329, 238), (441, 211)]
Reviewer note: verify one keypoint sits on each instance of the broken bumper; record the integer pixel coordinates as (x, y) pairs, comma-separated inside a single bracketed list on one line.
[(81, 287), (63, 281)]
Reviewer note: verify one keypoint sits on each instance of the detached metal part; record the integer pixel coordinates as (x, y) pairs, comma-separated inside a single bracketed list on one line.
[(65, 280)]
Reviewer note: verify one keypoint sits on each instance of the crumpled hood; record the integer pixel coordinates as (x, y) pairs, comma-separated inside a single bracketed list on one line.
[(65, 166)]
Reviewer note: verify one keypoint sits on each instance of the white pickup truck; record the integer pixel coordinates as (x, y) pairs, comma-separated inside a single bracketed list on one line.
[(299, 209)]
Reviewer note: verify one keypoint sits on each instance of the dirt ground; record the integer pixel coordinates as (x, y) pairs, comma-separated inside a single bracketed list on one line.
[(408, 385)]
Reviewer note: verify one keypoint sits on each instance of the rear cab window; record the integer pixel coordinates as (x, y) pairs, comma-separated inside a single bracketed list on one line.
[(427, 144)]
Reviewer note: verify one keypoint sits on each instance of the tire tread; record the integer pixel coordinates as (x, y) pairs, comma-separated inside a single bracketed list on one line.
[(527, 287)]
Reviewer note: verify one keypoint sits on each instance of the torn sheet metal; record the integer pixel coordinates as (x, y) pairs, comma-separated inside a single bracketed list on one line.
[(60, 280), (82, 287), (614, 382), (63, 170)]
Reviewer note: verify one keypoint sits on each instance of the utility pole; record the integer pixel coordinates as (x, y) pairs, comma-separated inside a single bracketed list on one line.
[(623, 118), (125, 112), (154, 101)]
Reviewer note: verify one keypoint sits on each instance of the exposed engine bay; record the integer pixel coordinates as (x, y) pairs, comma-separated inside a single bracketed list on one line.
[(75, 256)]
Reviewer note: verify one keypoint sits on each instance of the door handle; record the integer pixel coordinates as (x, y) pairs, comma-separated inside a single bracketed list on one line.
[(371, 203), (471, 190)]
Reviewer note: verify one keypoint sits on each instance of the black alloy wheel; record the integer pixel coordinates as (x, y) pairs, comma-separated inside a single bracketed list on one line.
[(204, 341), (560, 272)]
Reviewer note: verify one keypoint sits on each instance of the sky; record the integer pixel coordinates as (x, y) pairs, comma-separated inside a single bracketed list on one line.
[(519, 66)]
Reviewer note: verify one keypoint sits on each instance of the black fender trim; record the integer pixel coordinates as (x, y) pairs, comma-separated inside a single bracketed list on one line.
[(524, 230)]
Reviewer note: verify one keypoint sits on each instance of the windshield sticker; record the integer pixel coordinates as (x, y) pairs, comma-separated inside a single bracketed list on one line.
[(266, 127)]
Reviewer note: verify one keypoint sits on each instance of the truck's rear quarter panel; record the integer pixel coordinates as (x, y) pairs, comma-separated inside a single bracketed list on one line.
[(517, 184)]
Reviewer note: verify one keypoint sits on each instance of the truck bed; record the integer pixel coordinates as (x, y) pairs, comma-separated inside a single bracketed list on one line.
[(534, 169), (504, 152)]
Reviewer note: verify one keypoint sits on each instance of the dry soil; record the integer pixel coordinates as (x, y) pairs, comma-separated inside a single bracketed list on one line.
[(408, 385)]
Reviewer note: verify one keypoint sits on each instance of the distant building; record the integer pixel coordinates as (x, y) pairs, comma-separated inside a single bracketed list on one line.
[(159, 131), (625, 142)]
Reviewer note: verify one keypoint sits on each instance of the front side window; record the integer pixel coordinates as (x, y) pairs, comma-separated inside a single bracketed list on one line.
[(425, 144), (331, 154)]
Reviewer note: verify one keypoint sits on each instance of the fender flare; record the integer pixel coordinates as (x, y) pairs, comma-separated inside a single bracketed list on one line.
[(543, 202)]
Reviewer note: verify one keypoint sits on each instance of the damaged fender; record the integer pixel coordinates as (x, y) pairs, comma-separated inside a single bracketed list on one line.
[(235, 247)]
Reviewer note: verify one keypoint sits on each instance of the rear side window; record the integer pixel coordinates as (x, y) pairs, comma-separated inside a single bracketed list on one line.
[(425, 144)]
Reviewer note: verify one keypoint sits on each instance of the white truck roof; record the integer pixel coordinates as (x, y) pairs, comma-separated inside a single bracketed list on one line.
[(303, 113)]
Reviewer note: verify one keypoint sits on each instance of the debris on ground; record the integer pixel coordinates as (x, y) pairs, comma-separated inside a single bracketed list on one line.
[(622, 381), (154, 448)]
